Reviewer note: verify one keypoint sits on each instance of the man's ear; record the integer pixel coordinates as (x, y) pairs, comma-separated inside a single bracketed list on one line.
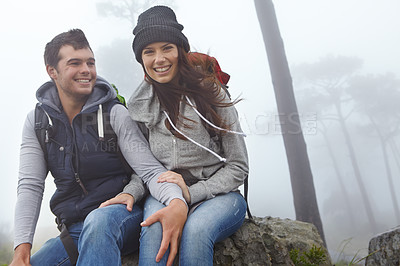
[(52, 71)]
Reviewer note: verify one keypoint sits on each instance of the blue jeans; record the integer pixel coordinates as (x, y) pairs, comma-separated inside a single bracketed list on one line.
[(105, 235), (211, 222)]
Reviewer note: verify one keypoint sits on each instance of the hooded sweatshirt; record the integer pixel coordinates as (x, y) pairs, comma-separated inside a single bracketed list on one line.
[(33, 166), (209, 165)]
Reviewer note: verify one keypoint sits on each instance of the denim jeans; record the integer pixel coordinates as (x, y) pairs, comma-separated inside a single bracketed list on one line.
[(105, 235), (211, 222)]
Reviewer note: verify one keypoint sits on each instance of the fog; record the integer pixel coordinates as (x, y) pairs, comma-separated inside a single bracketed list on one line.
[(228, 30)]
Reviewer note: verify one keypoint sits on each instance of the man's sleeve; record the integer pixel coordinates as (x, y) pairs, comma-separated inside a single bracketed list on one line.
[(31, 181), (137, 153)]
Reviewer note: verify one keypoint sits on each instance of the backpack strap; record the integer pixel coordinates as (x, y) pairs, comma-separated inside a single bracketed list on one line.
[(68, 243), (42, 126), (246, 188), (43, 130)]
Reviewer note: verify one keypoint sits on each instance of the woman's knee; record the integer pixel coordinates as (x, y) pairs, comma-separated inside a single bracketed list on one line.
[(215, 217)]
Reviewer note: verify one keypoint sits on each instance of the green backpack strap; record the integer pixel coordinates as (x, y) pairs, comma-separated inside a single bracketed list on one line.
[(119, 96)]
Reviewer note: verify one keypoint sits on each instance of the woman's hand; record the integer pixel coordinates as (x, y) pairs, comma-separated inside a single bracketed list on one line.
[(176, 178), (122, 198)]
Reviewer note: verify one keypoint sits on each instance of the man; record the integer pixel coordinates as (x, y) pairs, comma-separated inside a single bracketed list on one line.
[(86, 167)]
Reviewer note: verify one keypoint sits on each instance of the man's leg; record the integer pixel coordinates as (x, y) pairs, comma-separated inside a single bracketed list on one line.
[(211, 222), (151, 236), (108, 233), (53, 252)]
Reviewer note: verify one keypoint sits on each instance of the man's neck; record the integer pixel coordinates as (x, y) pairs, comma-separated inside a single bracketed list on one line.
[(71, 106)]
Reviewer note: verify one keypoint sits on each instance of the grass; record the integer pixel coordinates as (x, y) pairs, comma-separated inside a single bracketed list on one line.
[(355, 260)]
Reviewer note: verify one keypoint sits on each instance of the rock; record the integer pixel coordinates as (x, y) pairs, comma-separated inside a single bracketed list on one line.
[(261, 241), (267, 241), (384, 249)]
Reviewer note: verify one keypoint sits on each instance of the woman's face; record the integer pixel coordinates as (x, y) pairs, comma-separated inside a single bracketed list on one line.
[(160, 60)]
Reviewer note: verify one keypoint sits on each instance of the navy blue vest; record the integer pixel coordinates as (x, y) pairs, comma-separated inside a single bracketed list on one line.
[(76, 152)]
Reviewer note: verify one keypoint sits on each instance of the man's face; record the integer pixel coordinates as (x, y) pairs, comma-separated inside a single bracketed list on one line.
[(75, 74)]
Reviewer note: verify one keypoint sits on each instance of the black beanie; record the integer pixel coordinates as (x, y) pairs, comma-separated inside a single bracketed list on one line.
[(157, 24)]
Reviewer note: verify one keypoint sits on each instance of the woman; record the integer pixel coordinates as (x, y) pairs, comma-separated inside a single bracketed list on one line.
[(208, 156)]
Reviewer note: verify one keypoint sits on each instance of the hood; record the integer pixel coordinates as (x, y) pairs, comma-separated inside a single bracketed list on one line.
[(102, 92), (143, 106)]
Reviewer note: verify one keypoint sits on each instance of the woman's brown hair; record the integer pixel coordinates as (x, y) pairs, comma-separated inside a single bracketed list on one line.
[(197, 80)]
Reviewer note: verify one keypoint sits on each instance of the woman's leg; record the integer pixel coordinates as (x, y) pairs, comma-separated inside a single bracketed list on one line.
[(108, 233), (53, 252), (151, 236), (211, 222)]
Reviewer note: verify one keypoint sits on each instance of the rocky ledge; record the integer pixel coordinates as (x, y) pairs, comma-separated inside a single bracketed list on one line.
[(261, 241)]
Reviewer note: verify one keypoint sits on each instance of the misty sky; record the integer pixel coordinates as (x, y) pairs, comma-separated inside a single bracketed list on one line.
[(226, 29)]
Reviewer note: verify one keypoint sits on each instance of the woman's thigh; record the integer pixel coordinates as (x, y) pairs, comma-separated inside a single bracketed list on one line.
[(218, 217), (211, 222)]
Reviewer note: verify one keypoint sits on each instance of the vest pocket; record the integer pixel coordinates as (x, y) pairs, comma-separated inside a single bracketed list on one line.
[(56, 157)]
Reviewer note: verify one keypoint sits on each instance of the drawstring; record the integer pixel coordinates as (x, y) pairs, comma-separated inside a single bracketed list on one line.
[(208, 122), (100, 122), (49, 127), (194, 142), (211, 124)]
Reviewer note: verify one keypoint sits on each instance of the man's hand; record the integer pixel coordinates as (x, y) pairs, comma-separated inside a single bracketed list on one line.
[(172, 219), (122, 198), (175, 178), (22, 255)]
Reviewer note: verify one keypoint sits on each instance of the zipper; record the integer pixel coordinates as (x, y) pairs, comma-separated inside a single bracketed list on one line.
[(76, 161), (79, 181), (174, 156)]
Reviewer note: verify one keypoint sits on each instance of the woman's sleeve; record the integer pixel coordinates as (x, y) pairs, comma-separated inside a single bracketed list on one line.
[(231, 175), (31, 182), (137, 153)]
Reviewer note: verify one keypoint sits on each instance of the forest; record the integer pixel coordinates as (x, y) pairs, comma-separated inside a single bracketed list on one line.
[(338, 121)]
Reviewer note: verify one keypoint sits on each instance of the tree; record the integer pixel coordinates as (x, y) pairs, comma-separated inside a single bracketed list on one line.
[(311, 101), (377, 98), (118, 65), (116, 62), (128, 9), (305, 202), (329, 79)]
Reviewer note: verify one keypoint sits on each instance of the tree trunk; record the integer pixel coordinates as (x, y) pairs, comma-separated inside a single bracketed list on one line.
[(395, 152), (340, 179), (356, 170), (305, 201), (388, 171)]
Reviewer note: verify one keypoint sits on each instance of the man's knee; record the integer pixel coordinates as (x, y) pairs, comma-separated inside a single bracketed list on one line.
[(102, 218)]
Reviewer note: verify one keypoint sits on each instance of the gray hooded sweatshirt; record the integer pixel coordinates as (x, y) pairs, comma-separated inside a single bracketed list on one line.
[(210, 166)]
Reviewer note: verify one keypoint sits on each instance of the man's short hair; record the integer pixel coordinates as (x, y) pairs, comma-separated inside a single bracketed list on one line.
[(75, 37)]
